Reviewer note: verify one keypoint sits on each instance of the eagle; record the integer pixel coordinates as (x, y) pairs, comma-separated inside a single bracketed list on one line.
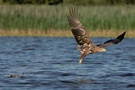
[(85, 44)]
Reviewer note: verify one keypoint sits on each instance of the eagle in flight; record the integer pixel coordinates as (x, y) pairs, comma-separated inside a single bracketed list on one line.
[(86, 46)]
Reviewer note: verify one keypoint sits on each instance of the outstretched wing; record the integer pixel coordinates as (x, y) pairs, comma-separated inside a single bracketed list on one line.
[(113, 41), (78, 30)]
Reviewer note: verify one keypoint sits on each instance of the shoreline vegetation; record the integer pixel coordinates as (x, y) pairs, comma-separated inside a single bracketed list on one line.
[(66, 33), (45, 20)]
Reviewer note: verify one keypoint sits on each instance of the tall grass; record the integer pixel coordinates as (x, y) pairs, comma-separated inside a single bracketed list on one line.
[(44, 17), (109, 17), (32, 17)]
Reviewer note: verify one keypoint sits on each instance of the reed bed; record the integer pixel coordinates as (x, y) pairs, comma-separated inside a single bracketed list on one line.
[(44, 19)]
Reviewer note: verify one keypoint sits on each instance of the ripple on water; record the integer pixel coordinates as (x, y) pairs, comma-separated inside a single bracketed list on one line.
[(39, 63)]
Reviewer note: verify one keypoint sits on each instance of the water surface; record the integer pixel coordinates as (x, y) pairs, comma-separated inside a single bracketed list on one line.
[(50, 63)]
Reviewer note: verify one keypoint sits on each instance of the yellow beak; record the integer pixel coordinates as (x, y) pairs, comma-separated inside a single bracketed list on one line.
[(103, 50)]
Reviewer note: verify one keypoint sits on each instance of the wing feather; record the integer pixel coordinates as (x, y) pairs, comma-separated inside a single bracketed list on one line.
[(113, 41), (78, 29)]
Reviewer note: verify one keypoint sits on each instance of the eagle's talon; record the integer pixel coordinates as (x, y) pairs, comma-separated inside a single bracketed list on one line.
[(80, 62)]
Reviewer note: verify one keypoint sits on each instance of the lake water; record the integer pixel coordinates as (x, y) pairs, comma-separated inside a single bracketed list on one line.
[(51, 63)]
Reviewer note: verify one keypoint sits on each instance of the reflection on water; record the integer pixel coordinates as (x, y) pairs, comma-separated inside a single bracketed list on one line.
[(40, 63)]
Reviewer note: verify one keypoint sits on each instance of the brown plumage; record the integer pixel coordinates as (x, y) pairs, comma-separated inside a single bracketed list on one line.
[(86, 46)]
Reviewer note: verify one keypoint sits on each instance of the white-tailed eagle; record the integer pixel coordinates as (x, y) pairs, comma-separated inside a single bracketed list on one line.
[(86, 46)]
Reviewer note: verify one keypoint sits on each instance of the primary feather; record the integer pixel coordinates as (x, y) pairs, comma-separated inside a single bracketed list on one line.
[(113, 41), (78, 29)]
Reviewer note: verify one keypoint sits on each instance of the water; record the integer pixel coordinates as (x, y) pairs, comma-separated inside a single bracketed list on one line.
[(48, 63)]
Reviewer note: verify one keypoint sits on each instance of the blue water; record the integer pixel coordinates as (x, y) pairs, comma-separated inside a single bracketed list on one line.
[(50, 63)]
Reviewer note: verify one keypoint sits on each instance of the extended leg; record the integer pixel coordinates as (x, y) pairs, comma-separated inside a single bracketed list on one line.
[(81, 58)]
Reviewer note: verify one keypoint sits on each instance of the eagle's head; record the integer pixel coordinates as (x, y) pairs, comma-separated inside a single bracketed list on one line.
[(100, 49)]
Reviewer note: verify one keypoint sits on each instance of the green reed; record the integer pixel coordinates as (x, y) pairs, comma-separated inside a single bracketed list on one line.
[(44, 17)]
